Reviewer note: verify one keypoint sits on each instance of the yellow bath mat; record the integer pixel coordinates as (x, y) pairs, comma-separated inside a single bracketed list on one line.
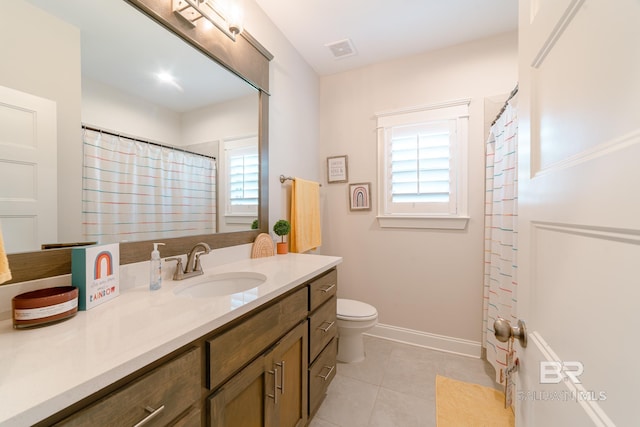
[(471, 405)]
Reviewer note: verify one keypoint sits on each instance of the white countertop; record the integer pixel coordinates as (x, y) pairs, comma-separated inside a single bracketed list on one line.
[(44, 370)]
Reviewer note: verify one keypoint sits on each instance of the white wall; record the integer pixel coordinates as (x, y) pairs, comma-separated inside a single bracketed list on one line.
[(40, 55), (293, 112), (237, 118), (428, 281), (110, 109)]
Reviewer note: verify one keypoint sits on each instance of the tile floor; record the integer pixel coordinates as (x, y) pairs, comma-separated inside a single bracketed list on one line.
[(394, 386)]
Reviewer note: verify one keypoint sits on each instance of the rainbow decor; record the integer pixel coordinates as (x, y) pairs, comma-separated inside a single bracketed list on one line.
[(95, 271)]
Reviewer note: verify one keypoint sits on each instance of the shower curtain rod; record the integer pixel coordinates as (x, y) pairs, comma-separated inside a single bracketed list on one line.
[(119, 135), (504, 107)]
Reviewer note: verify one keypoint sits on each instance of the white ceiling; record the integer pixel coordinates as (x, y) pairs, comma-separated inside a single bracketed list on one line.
[(119, 43), (123, 48), (381, 30)]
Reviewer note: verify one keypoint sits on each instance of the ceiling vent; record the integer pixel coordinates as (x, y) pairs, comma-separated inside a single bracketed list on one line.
[(342, 48)]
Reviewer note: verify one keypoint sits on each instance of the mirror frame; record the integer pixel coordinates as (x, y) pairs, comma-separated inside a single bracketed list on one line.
[(247, 59)]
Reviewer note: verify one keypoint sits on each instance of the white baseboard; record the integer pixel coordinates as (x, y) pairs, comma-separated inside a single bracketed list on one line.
[(424, 339)]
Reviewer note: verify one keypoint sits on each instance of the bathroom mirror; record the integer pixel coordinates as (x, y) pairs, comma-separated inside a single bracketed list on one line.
[(117, 42)]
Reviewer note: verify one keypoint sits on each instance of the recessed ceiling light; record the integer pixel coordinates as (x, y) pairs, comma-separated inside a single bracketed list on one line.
[(165, 77), (168, 79)]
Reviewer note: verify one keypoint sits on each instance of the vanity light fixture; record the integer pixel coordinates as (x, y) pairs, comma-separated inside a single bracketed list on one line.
[(226, 15)]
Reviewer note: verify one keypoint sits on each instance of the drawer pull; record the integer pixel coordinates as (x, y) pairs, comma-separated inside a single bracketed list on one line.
[(274, 396), (326, 377), (326, 328), (328, 288), (152, 414), (281, 365)]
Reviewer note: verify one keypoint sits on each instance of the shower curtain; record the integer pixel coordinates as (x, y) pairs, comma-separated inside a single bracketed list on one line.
[(134, 190), (501, 243)]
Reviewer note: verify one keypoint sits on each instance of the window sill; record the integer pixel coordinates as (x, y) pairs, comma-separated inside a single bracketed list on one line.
[(428, 222), (239, 218)]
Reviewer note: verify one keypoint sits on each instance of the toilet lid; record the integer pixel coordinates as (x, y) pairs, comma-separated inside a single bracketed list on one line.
[(352, 309)]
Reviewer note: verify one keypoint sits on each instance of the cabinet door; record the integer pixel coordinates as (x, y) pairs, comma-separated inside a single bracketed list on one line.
[(289, 361), (242, 401), (271, 391)]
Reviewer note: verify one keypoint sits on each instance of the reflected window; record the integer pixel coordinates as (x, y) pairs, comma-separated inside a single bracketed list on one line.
[(243, 174)]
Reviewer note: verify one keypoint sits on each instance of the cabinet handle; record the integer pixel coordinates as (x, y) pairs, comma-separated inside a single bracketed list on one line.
[(327, 289), (281, 365), (274, 396), (326, 377), (152, 414), (326, 328)]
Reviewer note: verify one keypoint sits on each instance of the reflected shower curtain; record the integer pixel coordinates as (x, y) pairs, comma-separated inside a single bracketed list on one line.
[(134, 190), (501, 236)]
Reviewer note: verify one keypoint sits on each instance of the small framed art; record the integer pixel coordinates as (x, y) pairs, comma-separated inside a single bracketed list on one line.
[(360, 196), (337, 169)]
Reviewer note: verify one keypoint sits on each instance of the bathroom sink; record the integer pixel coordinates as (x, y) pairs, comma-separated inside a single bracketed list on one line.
[(221, 284)]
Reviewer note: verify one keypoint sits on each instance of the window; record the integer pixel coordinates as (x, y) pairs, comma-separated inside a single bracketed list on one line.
[(422, 167), (242, 177)]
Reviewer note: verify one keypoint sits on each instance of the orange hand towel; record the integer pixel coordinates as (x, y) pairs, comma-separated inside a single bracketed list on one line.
[(5, 273), (305, 216)]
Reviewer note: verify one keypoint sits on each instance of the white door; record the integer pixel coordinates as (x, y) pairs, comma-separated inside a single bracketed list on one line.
[(579, 207), (28, 171)]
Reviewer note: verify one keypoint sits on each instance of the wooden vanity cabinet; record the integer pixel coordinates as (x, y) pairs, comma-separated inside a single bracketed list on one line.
[(288, 362), (231, 349), (323, 332), (168, 395), (286, 384), (271, 391), (270, 367)]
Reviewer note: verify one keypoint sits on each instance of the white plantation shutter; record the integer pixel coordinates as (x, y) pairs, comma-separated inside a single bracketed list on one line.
[(422, 166), (243, 177), (419, 169)]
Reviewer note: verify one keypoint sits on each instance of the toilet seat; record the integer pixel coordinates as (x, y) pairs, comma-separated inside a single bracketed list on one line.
[(356, 311)]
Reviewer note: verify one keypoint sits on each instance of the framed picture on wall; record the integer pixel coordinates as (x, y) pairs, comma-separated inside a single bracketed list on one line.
[(360, 196), (337, 169)]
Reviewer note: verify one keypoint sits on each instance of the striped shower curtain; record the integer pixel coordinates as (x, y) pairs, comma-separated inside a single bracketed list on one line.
[(501, 235), (133, 190)]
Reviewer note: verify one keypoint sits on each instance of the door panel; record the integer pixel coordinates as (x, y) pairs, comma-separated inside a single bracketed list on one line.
[(570, 83), (290, 358), (241, 401), (28, 171), (579, 214)]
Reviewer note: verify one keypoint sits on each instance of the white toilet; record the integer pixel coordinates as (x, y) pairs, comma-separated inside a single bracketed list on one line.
[(353, 319)]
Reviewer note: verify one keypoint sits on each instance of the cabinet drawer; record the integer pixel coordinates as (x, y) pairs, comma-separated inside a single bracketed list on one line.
[(234, 348), (322, 327), (192, 418), (321, 373), (169, 389), (322, 289)]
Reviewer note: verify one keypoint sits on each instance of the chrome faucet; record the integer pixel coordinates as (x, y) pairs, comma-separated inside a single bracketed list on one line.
[(193, 267)]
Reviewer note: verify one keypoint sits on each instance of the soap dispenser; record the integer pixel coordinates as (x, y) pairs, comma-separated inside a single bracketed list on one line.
[(155, 278)]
